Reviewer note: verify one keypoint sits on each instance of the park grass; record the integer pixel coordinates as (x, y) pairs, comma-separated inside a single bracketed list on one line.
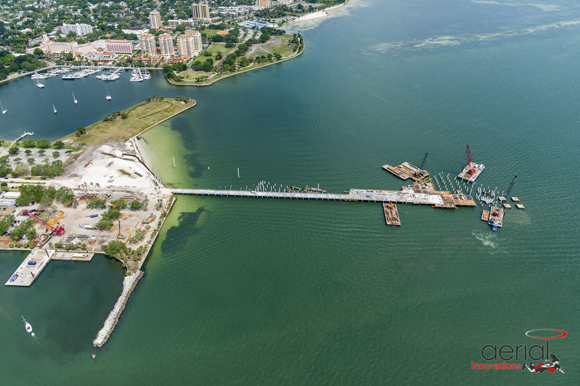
[(276, 45), (141, 116)]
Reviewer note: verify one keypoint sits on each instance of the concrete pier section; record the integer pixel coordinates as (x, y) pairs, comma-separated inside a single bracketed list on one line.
[(30, 268)]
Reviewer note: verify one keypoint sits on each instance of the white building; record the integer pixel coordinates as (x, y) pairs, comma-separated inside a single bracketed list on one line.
[(189, 43), (79, 29), (147, 43), (119, 46), (166, 45)]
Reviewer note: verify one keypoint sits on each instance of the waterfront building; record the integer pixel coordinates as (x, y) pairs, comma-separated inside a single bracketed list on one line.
[(200, 11), (147, 44), (166, 45), (119, 46), (155, 20), (264, 3), (189, 44), (79, 29)]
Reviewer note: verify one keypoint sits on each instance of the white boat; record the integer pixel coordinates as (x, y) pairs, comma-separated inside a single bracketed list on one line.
[(54, 108), (75, 99), (3, 109), (27, 325), (68, 76), (36, 75), (38, 84), (108, 96)]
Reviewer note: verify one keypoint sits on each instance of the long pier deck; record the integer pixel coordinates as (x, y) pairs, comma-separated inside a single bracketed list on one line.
[(407, 196)]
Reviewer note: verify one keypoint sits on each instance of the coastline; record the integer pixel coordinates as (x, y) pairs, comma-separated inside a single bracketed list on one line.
[(239, 72)]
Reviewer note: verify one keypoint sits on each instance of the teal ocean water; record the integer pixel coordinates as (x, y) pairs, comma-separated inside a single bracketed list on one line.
[(257, 292)]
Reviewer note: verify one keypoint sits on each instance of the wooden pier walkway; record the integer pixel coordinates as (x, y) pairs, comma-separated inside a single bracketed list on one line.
[(407, 196)]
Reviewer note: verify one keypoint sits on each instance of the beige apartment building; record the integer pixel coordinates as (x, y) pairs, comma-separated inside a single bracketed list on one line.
[(166, 45), (264, 3), (155, 20), (189, 44), (200, 11), (147, 43)]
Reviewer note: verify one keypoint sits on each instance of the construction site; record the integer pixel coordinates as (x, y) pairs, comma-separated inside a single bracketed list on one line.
[(72, 233)]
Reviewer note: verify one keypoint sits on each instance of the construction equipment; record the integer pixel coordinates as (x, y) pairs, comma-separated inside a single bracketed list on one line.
[(471, 170), (56, 230)]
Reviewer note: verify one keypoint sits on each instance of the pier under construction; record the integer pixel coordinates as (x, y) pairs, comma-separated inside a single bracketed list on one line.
[(420, 193)]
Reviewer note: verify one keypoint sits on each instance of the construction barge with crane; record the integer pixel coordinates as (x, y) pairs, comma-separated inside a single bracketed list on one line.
[(472, 170)]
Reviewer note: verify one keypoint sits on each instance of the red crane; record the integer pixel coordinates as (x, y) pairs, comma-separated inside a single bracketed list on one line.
[(471, 170)]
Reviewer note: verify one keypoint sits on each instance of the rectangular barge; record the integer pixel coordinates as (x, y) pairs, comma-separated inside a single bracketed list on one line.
[(391, 214)]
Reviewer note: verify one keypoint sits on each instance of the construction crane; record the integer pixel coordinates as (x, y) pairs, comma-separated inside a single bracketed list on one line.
[(511, 186), (424, 159), (57, 230), (471, 170)]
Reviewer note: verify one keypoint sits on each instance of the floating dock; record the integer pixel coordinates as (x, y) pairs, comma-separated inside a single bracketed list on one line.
[(515, 199), (405, 171), (30, 268), (507, 206), (520, 206), (391, 214), (496, 219)]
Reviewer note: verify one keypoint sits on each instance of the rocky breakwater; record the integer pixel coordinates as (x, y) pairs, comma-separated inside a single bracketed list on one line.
[(129, 283)]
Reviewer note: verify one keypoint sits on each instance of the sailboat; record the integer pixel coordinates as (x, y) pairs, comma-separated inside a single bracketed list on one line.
[(3, 110), (27, 325), (54, 108), (38, 84), (75, 99), (108, 96)]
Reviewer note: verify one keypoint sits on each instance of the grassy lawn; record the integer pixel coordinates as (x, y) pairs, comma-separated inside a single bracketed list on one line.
[(276, 45), (140, 117)]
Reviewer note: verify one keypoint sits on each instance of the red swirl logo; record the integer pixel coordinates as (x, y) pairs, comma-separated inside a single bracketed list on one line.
[(537, 333)]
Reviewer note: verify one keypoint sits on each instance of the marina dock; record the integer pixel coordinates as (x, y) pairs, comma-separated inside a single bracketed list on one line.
[(30, 268), (391, 214)]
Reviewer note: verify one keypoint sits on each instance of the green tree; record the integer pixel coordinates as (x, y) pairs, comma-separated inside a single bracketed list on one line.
[(80, 131), (38, 52), (55, 154), (28, 151), (58, 144), (30, 160), (43, 144), (13, 150), (41, 152), (27, 143), (31, 234), (180, 27)]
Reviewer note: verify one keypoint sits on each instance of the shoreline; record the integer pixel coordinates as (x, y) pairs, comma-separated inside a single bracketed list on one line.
[(239, 72)]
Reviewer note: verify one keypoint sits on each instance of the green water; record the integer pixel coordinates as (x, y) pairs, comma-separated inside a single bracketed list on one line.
[(257, 292)]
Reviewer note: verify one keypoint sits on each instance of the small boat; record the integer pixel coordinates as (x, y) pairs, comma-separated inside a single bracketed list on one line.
[(3, 109), (54, 108), (94, 356), (485, 215), (494, 228), (75, 99), (27, 325), (108, 96), (38, 84)]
